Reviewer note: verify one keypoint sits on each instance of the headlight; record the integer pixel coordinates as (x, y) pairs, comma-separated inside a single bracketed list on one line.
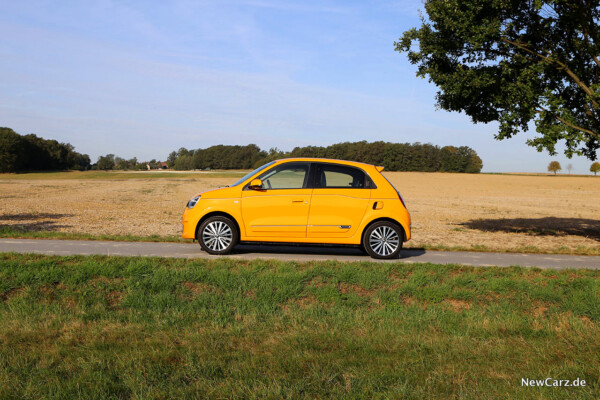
[(193, 202)]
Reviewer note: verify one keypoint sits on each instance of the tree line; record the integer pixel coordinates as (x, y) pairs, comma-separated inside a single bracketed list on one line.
[(20, 153), (393, 156), (32, 153), (555, 166)]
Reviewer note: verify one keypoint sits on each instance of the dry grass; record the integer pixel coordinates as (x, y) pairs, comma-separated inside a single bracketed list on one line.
[(486, 212), (502, 212)]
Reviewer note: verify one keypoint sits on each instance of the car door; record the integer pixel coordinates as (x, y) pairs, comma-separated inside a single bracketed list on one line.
[(280, 208), (339, 200)]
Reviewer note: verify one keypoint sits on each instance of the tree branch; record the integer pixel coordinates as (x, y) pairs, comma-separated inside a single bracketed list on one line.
[(564, 121), (562, 66)]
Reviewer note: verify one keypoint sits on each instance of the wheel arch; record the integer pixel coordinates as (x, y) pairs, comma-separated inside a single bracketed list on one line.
[(362, 234), (218, 214)]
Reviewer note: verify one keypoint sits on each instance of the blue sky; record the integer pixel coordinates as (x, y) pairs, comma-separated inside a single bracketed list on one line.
[(143, 78)]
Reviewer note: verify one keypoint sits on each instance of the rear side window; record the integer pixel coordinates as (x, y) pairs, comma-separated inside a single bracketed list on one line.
[(339, 176)]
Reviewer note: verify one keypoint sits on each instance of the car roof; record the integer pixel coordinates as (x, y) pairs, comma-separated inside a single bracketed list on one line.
[(326, 160)]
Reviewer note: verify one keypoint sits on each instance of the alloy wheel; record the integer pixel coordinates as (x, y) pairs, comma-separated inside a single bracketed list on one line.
[(384, 240), (217, 236)]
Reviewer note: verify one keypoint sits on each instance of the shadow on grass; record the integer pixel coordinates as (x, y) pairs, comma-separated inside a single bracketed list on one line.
[(32, 222), (548, 226)]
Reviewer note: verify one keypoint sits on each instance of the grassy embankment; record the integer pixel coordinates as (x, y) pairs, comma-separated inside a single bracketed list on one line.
[(110, 327)]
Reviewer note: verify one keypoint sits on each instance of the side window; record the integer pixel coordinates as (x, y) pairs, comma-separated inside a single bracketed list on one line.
[(338, 176), (285, 176)]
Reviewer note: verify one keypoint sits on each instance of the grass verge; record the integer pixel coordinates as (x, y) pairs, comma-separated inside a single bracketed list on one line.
[(114, 327), (10, 232)]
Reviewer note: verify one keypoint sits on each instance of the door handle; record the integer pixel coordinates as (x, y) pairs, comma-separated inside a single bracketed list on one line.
[(297, 201)]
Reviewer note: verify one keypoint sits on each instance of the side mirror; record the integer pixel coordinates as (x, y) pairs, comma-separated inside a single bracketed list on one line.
[(256, 184)]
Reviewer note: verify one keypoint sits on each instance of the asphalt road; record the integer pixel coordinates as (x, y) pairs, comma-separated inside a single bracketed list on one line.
[(292, 253)]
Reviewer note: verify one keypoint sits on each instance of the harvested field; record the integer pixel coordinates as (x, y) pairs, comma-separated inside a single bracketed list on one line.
[(472, 211)]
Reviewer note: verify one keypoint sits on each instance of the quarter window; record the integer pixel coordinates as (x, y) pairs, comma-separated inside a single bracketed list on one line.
[(336, 176), (285, 176)]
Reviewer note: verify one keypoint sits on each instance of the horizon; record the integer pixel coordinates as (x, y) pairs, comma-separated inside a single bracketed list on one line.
[(148, 78)]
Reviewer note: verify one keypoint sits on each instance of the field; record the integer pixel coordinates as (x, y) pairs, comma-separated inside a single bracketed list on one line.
[(111, 327), (450, 211)]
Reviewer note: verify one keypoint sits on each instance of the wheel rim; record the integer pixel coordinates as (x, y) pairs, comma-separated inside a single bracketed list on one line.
[(217, 236), (384, 240)]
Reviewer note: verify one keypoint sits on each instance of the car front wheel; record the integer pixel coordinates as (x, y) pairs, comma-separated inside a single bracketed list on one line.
[(218, 235), (383, 240)]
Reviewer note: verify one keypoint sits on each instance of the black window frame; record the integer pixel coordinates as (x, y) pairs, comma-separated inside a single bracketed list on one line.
[(315, 181), (305, 184)]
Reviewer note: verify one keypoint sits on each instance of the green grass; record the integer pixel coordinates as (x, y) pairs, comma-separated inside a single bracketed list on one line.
[(11, 232), (112, 327), (118, 175), (579, 250)]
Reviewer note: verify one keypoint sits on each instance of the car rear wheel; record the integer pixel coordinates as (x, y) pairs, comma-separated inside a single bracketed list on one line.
[(218, 235), (383, 240)]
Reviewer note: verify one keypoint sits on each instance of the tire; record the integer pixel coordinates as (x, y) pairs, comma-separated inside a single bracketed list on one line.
[(383, 240), (218, 235)]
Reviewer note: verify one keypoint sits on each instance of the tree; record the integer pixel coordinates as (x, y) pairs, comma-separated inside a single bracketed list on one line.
[(516, 62), (171, 159), (12, 151), (106, 162), (554, 166), (595, 168), (569, 168)]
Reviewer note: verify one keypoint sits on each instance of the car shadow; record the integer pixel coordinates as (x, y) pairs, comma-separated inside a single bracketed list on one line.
[(298, 249), (547, 226), (319, 250)]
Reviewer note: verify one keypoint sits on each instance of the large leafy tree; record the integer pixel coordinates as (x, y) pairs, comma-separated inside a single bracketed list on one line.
[(516, 62)]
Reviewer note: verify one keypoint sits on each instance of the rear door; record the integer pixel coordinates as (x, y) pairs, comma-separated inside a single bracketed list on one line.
[(339, 200), (280, 209)]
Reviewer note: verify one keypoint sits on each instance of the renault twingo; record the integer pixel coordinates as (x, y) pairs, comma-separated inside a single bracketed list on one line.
[(302, 200)]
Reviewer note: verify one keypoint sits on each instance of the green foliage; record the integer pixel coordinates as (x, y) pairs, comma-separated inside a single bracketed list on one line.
[(515, 62), (106, 162), (595, 168), (554, 166), (32, 153), (399, 156), (226, 157), (393, 156)]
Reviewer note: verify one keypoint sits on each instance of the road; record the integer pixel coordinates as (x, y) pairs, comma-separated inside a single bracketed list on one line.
[(292, 253)]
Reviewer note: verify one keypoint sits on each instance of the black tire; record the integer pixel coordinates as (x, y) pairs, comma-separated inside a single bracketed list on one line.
[(223, 232), (383, 240)]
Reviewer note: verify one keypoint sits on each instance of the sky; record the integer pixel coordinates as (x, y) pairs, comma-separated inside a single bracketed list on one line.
[(144, 78)]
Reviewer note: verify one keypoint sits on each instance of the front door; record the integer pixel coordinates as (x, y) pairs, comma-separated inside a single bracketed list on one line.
[(338, 202), (280, 208)]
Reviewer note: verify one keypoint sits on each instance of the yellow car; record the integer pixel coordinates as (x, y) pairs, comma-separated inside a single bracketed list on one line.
[(302, 200)]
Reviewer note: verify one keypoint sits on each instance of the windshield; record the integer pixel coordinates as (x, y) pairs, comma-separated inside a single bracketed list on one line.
[(253, 172)]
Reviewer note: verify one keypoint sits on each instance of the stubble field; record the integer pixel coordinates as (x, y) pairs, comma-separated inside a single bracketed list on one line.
[(469, 211)]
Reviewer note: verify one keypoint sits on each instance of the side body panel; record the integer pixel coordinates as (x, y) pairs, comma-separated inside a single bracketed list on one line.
[(336, 213), (275, 213)]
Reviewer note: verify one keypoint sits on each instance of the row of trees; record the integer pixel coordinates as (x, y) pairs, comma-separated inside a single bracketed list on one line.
[(555, 166), (217, 157), (32, 153), (393, 156)]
